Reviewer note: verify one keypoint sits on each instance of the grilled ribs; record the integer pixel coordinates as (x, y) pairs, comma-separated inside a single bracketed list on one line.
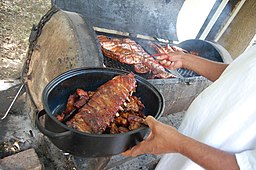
[(96, 115), (129, 52)]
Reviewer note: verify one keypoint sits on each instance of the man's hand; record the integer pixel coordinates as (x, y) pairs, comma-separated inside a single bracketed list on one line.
[(172, 60), (162, 139), (207, 68), (166, 139)]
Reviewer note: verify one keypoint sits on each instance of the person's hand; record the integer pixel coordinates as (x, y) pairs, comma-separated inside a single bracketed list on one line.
[(171, 61), (162, 139)]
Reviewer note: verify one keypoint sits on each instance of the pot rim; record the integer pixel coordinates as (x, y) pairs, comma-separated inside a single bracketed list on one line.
[(77, 71)]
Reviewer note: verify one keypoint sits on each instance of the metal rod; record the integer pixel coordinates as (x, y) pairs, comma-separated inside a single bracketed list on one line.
[(176, 73), (214, 19), (15, 98)]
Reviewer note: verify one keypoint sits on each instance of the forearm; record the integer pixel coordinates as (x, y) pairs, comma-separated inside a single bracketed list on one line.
[(166, 139), (207, 68), (206, 156)]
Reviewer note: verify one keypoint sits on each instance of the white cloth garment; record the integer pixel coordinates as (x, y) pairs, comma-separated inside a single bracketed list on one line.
[(223, 116)]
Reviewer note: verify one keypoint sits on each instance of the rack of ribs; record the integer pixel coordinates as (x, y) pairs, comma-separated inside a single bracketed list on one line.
[(98, 113)]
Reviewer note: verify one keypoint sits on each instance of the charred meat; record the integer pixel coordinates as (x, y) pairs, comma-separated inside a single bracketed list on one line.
[(109, 109), (129, 52)]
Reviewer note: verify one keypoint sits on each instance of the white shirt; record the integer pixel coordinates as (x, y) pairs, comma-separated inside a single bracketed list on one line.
[(223, 116)]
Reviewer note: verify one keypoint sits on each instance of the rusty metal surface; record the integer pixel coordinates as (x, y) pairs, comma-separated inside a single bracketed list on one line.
[(155, 18), (179, 93)]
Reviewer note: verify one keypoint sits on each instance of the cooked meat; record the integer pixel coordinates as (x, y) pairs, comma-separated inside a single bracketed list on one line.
[(133, 104), (99, 112), (83, 98), (129, 52), (69, 107)]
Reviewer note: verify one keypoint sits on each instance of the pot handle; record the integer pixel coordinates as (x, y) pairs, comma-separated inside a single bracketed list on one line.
[(45, 131)]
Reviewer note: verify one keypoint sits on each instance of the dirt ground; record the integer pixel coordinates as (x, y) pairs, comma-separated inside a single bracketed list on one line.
[(16, 20)]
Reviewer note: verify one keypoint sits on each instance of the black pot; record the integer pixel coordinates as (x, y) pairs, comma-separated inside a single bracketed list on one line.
[(82, 144)]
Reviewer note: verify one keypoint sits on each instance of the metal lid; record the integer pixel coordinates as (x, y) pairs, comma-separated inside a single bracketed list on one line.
[(151, 18)]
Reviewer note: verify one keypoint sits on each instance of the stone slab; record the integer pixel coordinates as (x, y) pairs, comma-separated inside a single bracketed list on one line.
[(27, 159)]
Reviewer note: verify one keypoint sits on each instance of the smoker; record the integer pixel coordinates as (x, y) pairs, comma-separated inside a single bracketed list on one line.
[(66, 38)]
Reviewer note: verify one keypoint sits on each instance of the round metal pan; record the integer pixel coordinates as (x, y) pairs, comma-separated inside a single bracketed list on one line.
[(82, 144)]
